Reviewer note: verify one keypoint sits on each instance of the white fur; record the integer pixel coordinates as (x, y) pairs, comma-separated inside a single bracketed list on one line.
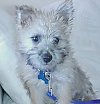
[(67, 77), (68, 80)]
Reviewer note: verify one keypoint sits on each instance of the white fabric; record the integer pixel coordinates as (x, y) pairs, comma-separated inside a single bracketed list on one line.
[(8, 64)]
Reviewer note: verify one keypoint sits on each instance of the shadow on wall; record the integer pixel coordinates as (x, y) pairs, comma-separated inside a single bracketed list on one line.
[(36, 3)]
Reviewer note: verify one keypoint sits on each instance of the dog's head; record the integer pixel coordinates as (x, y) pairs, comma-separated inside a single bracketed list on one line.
[(43, 36)]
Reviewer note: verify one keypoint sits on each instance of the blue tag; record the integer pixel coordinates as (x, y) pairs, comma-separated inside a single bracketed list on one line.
[(42, 76), (51, 96)]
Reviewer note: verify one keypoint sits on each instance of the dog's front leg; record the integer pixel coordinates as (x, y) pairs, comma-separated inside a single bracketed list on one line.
[(37, 90), (64, 93)]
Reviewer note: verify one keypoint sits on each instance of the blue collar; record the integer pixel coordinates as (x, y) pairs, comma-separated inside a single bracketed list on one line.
[(46, 79)]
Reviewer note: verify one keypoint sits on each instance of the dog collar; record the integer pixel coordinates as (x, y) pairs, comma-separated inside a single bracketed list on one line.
[(46, 77)]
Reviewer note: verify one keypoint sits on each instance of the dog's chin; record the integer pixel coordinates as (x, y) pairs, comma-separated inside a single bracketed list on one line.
[(41, 65), (46, 67)]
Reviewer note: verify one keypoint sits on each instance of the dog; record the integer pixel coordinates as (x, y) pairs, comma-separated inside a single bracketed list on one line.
[(47, 68), (50, 73)]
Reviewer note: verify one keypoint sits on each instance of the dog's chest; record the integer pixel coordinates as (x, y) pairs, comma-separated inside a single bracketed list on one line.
[(48, 86), (50, 97)]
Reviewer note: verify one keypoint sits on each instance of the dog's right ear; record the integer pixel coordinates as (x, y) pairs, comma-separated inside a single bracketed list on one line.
[(24, 16), (65, 10)]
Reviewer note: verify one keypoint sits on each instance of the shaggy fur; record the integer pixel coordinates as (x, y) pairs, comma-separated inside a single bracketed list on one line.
[(68, 80), (51, 31)]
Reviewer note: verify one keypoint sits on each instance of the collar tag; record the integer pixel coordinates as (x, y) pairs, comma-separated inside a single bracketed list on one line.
[(43, 77), (46, 77), (50, 95)]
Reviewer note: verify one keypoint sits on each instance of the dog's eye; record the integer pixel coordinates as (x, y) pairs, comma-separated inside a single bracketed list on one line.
[(56, 40), (36, 38)]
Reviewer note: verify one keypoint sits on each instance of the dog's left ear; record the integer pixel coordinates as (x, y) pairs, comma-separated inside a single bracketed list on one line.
[(65, 11), (24, 16)]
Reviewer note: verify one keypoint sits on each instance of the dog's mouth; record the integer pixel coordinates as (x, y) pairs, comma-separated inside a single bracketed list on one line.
[(39, 63), (46, 60)]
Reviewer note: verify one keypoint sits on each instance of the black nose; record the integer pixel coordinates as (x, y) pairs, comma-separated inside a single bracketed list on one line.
[(47, 57)]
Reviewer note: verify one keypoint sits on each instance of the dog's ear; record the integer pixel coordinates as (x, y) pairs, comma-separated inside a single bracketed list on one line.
[(24, 16), (65, 11)]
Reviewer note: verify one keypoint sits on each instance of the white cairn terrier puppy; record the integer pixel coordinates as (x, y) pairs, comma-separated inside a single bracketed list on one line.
[(49, 71)]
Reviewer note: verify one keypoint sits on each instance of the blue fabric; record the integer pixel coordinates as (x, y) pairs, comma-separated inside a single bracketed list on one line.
[(87, 102)]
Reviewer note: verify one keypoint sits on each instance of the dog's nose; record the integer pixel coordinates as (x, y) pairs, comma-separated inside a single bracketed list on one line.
[(47, 57)]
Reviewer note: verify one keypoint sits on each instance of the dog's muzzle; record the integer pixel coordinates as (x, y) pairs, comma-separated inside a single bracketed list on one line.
[(47, 57)]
